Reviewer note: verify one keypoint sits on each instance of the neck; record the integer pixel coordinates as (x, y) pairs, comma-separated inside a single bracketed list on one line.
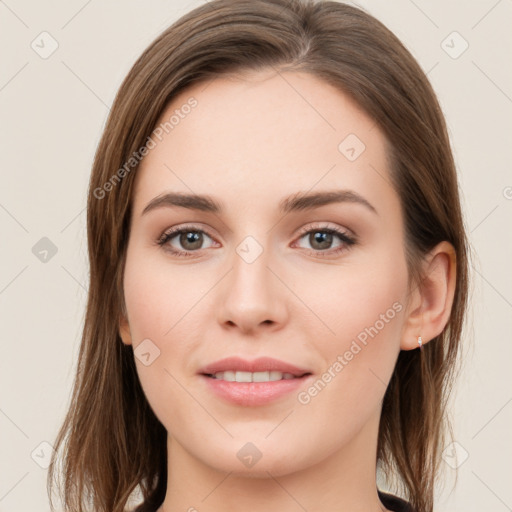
[(344, 480)]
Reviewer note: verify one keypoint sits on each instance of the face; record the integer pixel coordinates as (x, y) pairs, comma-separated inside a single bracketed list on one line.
[(317, 283)]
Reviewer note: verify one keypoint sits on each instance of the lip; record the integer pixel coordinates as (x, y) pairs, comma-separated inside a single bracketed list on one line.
[(262, 364), (253, 393)]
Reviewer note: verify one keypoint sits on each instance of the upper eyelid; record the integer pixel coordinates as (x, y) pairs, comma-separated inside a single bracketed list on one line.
[(324, 226), (318, 226)]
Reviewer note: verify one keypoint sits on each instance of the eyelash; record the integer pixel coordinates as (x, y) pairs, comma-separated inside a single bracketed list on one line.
[(347, 240)]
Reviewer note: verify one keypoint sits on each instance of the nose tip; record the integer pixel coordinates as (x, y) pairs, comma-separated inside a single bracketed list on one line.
[(250, 296), (247, 324)]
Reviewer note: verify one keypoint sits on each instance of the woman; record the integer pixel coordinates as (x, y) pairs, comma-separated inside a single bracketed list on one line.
[(278, 272)]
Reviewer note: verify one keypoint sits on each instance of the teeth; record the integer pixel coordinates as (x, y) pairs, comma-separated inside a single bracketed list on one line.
[(232, 376)]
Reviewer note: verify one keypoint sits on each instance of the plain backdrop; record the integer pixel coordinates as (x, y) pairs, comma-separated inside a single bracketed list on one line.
[(53, 109)]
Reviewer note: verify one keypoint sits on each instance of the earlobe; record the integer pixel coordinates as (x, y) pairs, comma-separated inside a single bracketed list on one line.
[(433, 298), (124, 330)]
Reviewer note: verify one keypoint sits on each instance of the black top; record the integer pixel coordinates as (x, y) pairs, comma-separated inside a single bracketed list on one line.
[(390, 501), (394, 503)]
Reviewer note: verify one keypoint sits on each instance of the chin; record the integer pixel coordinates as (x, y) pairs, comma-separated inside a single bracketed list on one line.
[(245, 459)]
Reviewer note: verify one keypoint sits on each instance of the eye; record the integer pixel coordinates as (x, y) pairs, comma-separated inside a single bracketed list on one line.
[(321, 239), (189, 238)]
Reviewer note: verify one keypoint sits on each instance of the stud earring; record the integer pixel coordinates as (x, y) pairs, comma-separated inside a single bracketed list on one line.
[(420, 342)]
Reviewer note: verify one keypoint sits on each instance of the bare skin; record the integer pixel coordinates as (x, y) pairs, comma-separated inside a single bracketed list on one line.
[(249, 143)]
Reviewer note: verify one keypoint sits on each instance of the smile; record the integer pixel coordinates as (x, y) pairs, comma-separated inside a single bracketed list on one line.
[(239, 376)]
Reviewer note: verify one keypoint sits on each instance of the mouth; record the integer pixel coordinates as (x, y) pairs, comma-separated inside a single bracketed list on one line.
[(254, 383), (262, 369), (257, 382), (251, 393), (263, 376)]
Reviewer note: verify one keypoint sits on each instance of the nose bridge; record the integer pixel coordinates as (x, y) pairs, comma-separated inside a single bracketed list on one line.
[(251, 293)]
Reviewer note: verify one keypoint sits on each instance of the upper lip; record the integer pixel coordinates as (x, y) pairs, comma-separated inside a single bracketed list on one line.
[(262, 364)]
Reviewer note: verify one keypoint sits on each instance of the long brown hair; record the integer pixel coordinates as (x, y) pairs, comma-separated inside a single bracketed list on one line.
[(113, 443)]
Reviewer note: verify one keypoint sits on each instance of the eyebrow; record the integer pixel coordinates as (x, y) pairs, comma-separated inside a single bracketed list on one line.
[(296, 202)]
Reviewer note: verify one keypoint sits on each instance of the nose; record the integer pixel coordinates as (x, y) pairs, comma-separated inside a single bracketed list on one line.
[(252, 297)]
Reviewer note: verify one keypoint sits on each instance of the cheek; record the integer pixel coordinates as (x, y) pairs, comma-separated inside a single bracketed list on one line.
[(165, 305), (361, 292), (360, 313), (159, 303), (160, 296)]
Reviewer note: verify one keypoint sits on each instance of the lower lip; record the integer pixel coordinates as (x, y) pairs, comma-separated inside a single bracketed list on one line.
[(254, 393)]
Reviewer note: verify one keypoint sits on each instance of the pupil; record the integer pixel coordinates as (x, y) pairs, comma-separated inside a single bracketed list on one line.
[(324, 239), (192, 237)]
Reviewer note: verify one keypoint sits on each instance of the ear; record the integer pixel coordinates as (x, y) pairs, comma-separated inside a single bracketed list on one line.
[(431, 300), (124, 330)]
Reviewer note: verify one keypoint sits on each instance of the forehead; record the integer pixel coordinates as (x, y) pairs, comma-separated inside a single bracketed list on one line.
[(265, 132)]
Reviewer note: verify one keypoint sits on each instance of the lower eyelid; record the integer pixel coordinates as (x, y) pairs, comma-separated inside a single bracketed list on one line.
[(166, 237), (343, 246)]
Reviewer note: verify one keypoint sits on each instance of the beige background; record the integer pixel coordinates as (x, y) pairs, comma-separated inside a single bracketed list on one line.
[(53, 110)]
